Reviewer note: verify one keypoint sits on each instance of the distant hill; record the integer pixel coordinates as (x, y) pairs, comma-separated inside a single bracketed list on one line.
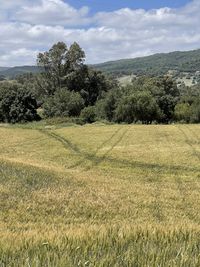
[(3, 68), (157, 64), (14, 71)]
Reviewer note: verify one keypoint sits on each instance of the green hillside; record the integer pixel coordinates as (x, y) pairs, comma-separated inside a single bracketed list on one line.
[(14, 71), (157, 64), (154, 65), (3, 68)]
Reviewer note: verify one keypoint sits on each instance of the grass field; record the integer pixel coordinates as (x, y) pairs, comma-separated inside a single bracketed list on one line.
[(100, 195)]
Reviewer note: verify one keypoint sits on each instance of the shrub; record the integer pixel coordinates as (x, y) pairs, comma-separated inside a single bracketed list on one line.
[(183, 112), (17, 104), (105, 108), (63, 103), (88, 114), (137, 107), (195, 116)]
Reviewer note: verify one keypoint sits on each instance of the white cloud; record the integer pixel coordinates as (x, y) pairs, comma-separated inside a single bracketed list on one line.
[(10, 4), (105, 36), (53, 12), (13, 56)]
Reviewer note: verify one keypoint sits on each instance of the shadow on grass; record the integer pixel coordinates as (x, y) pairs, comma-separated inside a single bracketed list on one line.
[(30, 178)]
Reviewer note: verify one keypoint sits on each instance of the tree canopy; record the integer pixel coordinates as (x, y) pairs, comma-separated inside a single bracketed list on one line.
[(67, 87)]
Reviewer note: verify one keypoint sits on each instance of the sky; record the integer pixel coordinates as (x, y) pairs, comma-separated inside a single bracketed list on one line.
[(112, 5), (105, 29)]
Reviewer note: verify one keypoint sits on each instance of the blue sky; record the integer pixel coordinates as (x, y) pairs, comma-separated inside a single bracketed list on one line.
[(105, 29), (111, 5)]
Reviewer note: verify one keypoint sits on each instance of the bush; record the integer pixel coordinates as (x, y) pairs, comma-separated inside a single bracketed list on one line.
[(126, 110), (145, 99), (17, 104), (63, 103), (88, 114), (183, 112), (137, 107), (105, 108), (195, 116)]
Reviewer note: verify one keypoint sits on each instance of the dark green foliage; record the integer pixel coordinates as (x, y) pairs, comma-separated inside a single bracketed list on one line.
[(31, 81), (195, 107), (140, 106), (60, 64), (63, 103), (88, 114), (188, 108), (167, 104), (145, 100), (188, 113), (105, 107), (96, 83), (17, 104), (64, 68), (165, 92), (183, 112), (2, 78), (66, 87), (126, 110)]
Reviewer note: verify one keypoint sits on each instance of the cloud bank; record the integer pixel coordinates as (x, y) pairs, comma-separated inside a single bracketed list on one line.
[(27, 27)]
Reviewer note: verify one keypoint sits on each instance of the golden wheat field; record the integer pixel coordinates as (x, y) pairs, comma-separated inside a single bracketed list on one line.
[(100, 195)]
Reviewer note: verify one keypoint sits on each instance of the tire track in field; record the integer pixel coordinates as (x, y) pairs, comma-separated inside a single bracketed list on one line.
[(183, 187), (196, 184), (97, 150), (185, 206), (92, 157), (65, 142), (193, 133), (156, 208), (189, 143), (123, 162), (98, 159)]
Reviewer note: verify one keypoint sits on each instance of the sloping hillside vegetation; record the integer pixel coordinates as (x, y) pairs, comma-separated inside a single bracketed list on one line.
[(157, 64), (15, 71), (3, 68)]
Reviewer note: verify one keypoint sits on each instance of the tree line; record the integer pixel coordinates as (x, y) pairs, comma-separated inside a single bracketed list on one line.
[(67, 87)]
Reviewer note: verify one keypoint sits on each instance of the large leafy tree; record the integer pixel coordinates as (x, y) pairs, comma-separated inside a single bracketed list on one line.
[(58, 64), (64, 67), (168, 98), (164, 90)]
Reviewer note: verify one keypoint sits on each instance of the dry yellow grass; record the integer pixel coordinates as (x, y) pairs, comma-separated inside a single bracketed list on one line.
[(100, 195)]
